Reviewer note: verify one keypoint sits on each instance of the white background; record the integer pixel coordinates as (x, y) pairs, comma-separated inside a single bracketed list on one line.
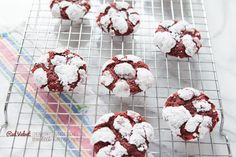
[(222, 21)]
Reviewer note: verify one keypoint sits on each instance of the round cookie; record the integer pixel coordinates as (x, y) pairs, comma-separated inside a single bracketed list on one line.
[(122, 134), (126, 75), (70, 9), (190, 114), (59, 71), (177, 38), (118, 19)]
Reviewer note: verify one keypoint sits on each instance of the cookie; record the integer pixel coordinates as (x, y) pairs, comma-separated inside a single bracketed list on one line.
[(59, 71), (118, 19), (126, 75), (177, 38), (190, 114), (70, 9), (122, 134)]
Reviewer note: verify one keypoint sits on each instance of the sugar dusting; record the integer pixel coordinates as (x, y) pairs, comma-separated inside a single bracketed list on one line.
[(74, 11), (117, 18), (140, 134), (125, 70), (193, 123), (103, 134), (185, 94), (198, 122), (132, 58), (141, 131), (121, 89), (202, 105), (106, 78), (69, 68), (204, 126), (40, 77), (190, 46), (116, 150), (176, 116), (144, 79), (134, 115), (166, 40), (67, 73), (105, 118), (123, 125)]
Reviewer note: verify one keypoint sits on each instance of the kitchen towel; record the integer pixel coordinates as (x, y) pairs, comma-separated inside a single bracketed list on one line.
[(70, 119)]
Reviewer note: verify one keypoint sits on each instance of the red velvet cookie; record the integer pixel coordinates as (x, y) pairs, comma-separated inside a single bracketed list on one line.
[(70, 9), (118, 18), (59, 71), (126, 75), (190, 114), (177, 38), (122, 134)]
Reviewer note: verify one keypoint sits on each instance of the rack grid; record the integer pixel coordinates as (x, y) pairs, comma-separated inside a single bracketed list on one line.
[(84, 106)]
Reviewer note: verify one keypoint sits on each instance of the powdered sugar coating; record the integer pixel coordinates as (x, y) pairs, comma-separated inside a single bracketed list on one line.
[(125, 70), (204, 126), (177, 38), (176, 116), (190, 113), (117, 151), (165, 41), (126, 75), (140, 133), (134, 115), (132, 58), (108, 62), (193, 123), (190, 46), (185, 94), (40, 77), (61, 71), (104, 135), (106, 78), (67, 74), (144, 79), (77, 61), (195, 91), (118, 18), (123, 125), (122, 5), (202, 105), (70, 9), (121, 89), (188, 93), (105, 118), (58, 60), (132, 135), (119, 23)]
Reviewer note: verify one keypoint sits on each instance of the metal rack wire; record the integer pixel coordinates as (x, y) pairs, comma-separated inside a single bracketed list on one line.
[(43, 33)]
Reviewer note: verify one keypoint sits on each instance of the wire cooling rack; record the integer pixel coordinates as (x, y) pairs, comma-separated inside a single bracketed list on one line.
[(53, 138)]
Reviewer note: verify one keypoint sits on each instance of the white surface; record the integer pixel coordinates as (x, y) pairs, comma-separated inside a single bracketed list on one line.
[(221, 18)]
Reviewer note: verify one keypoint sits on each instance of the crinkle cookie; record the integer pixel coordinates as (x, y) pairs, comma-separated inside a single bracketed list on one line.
[(177, 38), (190, 114), (70, 9), (59, 71), (126, 75), (118, 19), (122, 134)]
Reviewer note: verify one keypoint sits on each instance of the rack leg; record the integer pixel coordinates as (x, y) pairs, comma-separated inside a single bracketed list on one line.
[(4, 126)]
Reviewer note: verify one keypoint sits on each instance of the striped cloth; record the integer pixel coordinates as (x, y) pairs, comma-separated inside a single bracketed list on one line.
[(9, 50)]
